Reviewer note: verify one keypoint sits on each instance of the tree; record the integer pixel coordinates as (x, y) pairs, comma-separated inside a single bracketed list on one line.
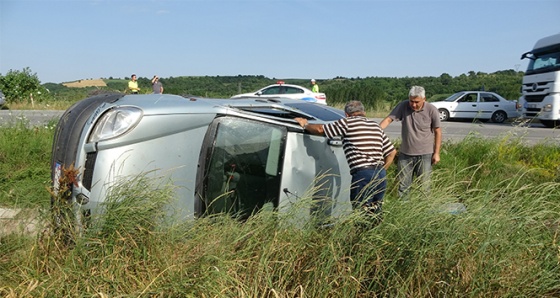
[(445, 79), (18, 86)]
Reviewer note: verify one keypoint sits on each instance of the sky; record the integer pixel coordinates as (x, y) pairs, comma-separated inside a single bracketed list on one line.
[(68, 40)]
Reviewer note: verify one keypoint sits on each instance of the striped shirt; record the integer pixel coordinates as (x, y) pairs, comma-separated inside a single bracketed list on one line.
[(364, 142)]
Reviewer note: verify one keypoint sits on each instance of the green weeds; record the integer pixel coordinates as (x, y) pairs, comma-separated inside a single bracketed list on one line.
[(24, 164), (504, 244)]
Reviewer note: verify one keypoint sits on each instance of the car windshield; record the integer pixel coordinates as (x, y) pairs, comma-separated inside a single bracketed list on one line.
[(454, 96)]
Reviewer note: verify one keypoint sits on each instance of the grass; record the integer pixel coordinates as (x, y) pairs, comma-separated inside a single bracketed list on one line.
[(504, 245), (25, 163)]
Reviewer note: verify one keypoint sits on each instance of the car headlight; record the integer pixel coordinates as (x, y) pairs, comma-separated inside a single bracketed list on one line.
[(114, 123), (547, 108)]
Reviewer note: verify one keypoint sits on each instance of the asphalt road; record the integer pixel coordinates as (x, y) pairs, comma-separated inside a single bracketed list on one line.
[(530, 133), (29, 117)]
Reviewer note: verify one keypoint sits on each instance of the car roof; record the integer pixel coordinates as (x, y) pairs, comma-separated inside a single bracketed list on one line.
[(475, 91), (287, 85)]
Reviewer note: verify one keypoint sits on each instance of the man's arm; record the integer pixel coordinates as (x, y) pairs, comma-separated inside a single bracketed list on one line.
[(385, 122), (389, 159), (316, 129), (437, 145)]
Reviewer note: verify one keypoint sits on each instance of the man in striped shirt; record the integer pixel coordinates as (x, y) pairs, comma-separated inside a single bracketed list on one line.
[(368, 150)]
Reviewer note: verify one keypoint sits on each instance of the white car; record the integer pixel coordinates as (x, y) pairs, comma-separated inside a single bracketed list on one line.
[(2, 99), (477, 105), (287, 91)]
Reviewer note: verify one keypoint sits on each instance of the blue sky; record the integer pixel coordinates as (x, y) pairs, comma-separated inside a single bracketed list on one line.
[(80, 39)]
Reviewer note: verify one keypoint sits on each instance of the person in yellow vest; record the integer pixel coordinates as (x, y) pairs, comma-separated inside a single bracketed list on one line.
[(133, 85), (315, 87)]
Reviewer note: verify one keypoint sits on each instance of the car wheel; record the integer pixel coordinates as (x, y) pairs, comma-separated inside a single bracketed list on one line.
[(499, 117), (443, 114)]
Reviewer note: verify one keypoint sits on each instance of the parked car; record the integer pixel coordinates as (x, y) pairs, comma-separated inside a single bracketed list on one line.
[(477, 105), (287, 91), (2, 99), (223, 155)]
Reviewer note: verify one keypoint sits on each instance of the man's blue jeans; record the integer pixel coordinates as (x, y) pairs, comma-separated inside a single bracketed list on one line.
[(368, 187), (411, 166)]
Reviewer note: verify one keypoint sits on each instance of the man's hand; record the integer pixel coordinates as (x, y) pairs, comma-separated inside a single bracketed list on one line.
[(435, 158), (302, 121), (316, 129)]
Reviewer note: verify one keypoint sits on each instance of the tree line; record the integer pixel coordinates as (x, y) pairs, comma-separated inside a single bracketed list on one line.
[(372, 91)]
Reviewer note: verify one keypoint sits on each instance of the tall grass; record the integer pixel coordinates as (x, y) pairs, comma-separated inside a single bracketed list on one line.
[(24, 163), (505, 244)]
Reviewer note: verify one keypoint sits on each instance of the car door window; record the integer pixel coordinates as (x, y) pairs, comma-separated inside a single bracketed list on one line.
[(272, 90), (485, 97), (469, 97), (292, 90), (242, 167)]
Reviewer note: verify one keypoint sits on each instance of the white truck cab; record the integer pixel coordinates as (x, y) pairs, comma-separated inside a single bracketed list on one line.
[(540, 97)]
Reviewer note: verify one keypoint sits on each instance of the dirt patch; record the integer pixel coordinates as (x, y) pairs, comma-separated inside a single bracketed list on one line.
[(86, 83)]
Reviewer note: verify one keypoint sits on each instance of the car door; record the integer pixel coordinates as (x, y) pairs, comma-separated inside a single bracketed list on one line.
[(488, 104), (467, 106)]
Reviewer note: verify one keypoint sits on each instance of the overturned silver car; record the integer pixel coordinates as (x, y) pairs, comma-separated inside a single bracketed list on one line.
[(222, 155)]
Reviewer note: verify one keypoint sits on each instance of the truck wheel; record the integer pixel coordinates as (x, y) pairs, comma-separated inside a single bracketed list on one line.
[(499, 117), (443, 114), (550, 123)]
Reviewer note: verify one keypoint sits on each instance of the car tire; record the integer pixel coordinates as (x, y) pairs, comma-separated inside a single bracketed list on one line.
[(443, 114), (499, 117)]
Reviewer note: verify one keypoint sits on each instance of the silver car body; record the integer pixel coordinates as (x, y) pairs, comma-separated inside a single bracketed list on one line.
[(208, 149), (477, 105)]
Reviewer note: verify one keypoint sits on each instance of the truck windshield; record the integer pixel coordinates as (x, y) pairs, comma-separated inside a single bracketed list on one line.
[(544, 62)]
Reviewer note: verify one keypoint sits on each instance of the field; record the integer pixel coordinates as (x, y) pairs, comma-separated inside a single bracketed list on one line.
[(505, 244), (86, 83)]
